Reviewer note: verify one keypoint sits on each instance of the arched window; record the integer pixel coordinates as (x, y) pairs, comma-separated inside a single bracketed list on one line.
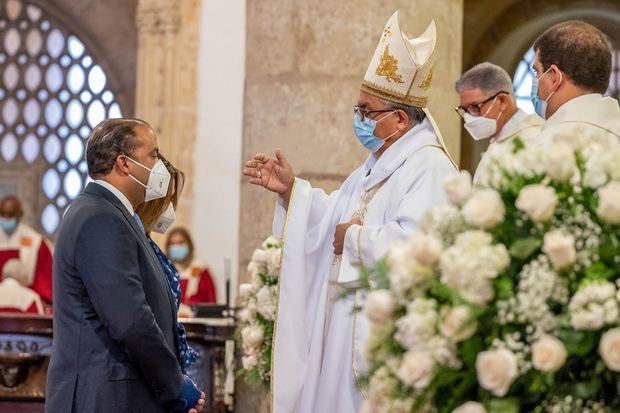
[(52, 94), (522, 79)]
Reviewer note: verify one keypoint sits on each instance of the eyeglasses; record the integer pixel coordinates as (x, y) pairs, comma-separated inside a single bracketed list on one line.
[(363, 113), (475, 109)]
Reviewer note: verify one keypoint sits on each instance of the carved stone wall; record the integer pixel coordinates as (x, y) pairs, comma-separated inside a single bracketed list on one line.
[(168, 33)]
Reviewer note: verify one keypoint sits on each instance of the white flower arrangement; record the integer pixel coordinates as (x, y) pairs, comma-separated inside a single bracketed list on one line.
[(508, 299), (256, 313)]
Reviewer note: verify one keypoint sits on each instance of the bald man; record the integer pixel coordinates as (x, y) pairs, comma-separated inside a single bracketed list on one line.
[(19, 241)]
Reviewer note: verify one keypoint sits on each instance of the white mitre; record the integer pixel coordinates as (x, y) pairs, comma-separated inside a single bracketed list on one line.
[(401, 69)]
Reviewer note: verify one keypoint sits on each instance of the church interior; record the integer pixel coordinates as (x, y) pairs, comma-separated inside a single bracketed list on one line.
[(220, 81)]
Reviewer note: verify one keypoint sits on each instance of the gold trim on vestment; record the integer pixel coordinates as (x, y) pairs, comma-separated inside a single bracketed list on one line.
[(275, 320)]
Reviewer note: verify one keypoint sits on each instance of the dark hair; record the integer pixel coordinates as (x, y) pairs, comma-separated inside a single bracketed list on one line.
[(416, 115), (185, 234), (580, 50), (111, 138)]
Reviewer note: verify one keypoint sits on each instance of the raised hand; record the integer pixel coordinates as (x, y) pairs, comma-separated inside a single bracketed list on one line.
[(275, 174)]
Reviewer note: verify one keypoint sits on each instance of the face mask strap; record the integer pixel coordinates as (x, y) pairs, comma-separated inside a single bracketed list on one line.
[(138, 163)]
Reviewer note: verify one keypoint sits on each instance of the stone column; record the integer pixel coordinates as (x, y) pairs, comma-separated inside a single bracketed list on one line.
[(168, 33)]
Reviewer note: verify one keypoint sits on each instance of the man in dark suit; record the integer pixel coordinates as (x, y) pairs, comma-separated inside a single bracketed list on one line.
[(115, 347)]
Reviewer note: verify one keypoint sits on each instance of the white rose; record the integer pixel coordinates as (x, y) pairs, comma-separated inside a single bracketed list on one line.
[(609, 349), (269, 242), (560, 162), (416, 369), (426, 249), (245, 315), (484, 209), (496, 370), (274, 257), (609, 202), (458, 187), (548, 354), (245, 290), (379, 306), (470, 407), (458, 325), (252, 336), (266, 302), (259, 256), (560, 248), (537, 201), (249, 362)]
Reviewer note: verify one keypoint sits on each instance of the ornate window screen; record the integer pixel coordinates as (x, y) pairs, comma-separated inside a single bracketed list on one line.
[(52, 94)]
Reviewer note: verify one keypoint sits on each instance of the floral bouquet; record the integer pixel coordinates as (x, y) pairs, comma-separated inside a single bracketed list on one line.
[(508, 299), (258, 300)]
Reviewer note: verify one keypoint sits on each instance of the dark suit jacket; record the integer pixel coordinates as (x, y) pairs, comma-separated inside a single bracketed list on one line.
[(114, 346)]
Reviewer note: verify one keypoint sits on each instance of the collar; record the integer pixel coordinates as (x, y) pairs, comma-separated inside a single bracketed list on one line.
[(382, 167), (517, 122), (121, 197), (591, 108)]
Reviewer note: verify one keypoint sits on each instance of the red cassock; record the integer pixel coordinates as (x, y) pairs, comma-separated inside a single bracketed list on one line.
[(35, 253), (197, 286)]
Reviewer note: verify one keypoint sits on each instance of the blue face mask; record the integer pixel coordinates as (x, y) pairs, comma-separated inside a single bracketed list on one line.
[(178, 252), (540, 106), (365, 132), (8, 225)]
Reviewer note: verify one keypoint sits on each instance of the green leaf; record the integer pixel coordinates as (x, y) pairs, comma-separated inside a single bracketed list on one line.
[(505, 287), (599, 271), (578, 343), (502, 406), (589, 389), (517, 145), (524, 247)]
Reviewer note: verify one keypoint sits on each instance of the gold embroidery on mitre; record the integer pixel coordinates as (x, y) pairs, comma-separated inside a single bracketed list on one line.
[(426, 83), (387, 33), (388, 67)]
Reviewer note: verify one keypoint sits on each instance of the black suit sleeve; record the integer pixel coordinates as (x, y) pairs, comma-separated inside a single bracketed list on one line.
[(106, 258)]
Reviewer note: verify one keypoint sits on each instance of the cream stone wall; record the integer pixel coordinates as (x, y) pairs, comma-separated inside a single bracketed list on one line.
[(168, 33), (304, 65)]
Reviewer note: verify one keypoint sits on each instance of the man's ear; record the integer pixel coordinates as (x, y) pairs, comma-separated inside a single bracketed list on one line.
[(122, 164), (403, 119)]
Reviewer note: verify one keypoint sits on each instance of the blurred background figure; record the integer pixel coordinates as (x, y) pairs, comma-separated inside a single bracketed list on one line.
[(196, 281), (15, 296), (21, 242)]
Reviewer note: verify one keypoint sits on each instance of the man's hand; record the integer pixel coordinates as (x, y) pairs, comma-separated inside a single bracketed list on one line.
[(274, 174), (201, 404), (341, 230)]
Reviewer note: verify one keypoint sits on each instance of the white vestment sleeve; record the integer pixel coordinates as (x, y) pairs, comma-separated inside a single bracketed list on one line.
[(365, 245), (306, 229)]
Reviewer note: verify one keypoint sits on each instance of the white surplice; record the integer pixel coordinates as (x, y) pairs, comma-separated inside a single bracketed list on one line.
[(592, 112), (313, 368), (522, 125)]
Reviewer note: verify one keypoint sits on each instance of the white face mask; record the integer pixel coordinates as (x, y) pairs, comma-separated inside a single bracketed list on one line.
[(165, 220), (159, 179), (480, 127)]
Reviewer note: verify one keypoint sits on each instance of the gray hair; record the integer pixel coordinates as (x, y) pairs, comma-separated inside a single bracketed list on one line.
[(416, 115), (488, 77)]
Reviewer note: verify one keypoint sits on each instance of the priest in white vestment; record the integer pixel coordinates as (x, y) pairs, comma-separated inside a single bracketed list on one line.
[(319, 338), (489, 110), (572, 70)]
